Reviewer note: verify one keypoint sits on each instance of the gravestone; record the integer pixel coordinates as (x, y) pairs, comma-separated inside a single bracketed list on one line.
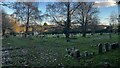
[(101, 33), (92, 54), (77, 53), (100, 47), (106, 47), (6, 36), (68, 50), (107, 65), (113, 46), (58, 36), (73, 52), (117, 45), (86, 54), (68, 40)]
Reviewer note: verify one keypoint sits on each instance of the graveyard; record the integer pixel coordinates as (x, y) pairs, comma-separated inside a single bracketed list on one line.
[(60, 34), (51, 50)]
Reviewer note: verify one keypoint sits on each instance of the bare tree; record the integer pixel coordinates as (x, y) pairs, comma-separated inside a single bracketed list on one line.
[(84, 15), (27, 12), (54, 12), (94, 23), (5, 22), (63, 11), (113, 20)]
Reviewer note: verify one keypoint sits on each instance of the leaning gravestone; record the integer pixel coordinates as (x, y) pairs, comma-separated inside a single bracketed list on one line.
[(100, 47)]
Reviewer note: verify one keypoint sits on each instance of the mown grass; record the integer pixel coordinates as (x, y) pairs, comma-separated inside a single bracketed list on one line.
[(52, 49)]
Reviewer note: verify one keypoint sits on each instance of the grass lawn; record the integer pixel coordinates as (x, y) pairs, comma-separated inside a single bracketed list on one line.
[(50, 51)]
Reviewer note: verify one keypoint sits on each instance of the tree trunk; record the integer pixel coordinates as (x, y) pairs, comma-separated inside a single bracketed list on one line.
[(84, 34), (3, 32), (110, 31), (67, 28), (84, 31), (93, 29), (110, 35), (27, 24)]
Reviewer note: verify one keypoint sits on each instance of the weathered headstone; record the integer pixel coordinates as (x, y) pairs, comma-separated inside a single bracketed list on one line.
[(107, 65), (117, 45), (113, 46), (92, 54), (77, 53), (68, 40), (86, 54), (73, 52), (100, 48), (58, 36), (101, 33), (106, 47), (68, 50), (6, 36)]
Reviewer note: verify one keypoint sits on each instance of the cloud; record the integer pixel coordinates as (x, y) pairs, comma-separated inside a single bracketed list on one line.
[(105, 3)]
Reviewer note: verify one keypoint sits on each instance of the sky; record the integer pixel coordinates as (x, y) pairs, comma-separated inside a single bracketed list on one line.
[(105, 10)]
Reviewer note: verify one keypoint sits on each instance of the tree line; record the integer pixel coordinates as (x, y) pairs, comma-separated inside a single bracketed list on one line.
[(61, 13)]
